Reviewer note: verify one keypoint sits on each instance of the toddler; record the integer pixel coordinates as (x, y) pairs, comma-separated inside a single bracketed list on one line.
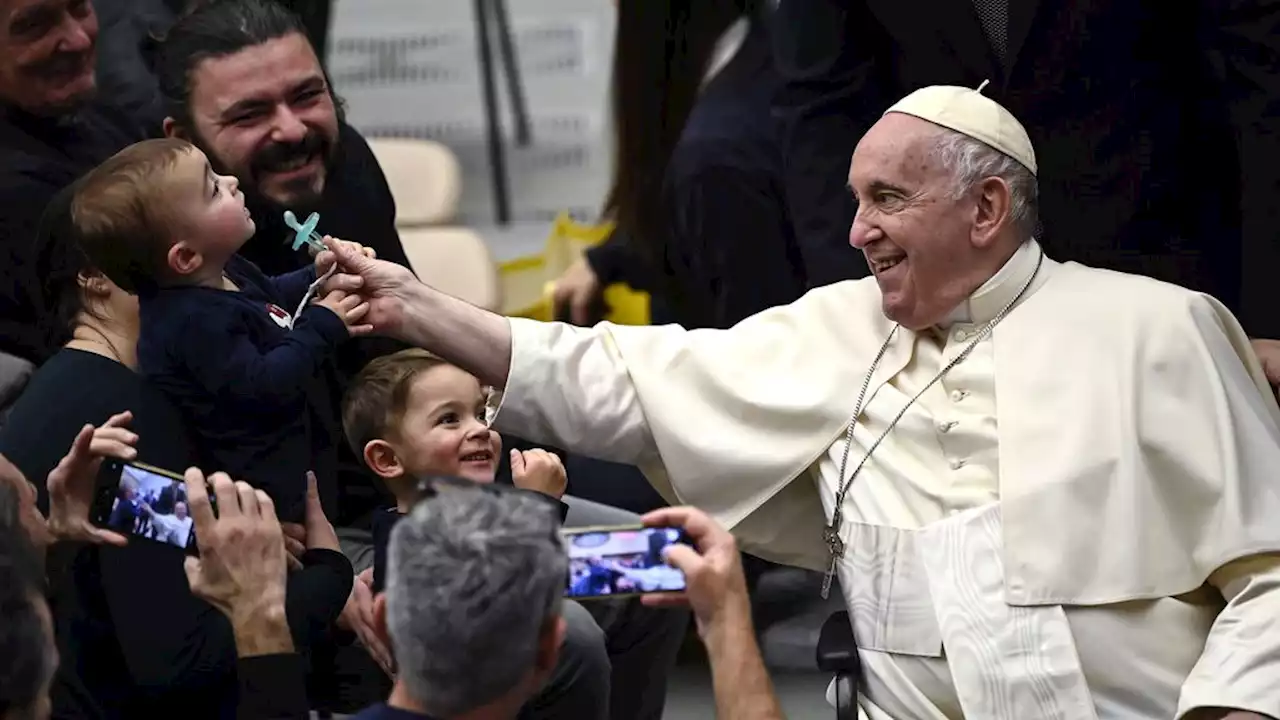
[(215, 335)]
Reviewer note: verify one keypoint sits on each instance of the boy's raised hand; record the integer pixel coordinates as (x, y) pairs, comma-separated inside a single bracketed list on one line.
[(540, 471)]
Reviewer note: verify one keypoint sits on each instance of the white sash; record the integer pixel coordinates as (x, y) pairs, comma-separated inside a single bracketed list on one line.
[(1008, 662)]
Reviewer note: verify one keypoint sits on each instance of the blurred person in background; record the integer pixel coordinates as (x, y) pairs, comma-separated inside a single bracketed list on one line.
[(696, 195), (54, 126)]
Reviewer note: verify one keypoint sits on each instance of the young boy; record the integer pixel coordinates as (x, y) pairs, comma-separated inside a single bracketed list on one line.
[(410, 415), (216, 334)]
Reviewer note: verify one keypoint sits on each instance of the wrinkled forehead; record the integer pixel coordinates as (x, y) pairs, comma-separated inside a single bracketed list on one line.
[(896, 149)]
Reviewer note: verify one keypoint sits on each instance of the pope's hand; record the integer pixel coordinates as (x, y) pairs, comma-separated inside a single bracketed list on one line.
[(329, 241), (382, 284)]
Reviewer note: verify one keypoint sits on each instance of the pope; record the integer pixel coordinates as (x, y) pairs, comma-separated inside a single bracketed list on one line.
[(1046, 490)]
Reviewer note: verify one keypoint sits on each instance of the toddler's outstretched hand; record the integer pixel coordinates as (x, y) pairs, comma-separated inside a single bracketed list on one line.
[(350, 308)]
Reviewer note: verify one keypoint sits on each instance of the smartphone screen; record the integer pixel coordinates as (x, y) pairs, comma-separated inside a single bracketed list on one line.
[(608, 562), (141, 501)]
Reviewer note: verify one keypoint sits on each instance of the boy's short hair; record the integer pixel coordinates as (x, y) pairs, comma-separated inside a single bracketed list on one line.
[(377, 398), (121, 216)]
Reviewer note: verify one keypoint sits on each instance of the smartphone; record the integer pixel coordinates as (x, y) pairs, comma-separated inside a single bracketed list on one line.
[(611, 562), (146, 502)]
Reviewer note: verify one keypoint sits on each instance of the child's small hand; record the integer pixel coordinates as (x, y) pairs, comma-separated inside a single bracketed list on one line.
[(328, 240), (540, 471), (350, 308)]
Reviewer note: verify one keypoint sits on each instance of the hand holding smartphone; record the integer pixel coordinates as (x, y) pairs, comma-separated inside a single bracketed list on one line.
[(146, 502), (624, 561)]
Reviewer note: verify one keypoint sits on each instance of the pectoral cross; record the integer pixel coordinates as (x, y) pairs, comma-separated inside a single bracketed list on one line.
[(835, 547)]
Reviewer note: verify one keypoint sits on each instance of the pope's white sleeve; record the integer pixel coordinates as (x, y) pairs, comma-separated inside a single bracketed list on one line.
[(568, 387), (1240, 666)]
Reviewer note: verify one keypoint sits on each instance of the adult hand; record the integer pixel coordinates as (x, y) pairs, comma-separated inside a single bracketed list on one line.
[(540, 471), (357, 617), (578, 288), (71, 484), (316, 532), (320, 533), (241, 569), (1268, 352), (716, 588), (354, 246), (384, 285)]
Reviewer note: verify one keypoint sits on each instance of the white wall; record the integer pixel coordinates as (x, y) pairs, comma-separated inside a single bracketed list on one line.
[(411, 68)]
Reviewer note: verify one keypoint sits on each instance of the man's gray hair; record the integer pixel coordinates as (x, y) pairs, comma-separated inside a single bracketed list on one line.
[(970, 161), (473, 576)]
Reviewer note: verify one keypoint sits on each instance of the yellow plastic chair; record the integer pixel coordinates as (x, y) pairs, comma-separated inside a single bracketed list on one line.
[(528, 283)]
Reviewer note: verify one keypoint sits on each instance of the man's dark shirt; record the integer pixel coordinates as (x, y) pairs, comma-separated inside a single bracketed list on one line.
[(356, 206), (39, 157)]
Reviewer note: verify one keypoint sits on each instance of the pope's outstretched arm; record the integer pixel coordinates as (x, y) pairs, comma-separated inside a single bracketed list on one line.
[(586, 385), (720, 419)]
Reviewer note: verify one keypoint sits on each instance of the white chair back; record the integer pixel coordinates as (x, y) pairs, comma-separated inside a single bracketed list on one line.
[(455, 261), (425, 180)]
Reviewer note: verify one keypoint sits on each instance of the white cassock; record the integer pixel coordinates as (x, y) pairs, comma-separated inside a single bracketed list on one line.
[(1080, 520)]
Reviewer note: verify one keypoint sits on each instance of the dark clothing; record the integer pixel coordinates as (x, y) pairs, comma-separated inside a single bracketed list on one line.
[(272, 687), (386, 712), (126, 29), (133, 639), (728, 251), (357, 206), (729, 246), (1136, 173), (385, 521), (617, 260), (315, 15), (240, 377), (39, 157)]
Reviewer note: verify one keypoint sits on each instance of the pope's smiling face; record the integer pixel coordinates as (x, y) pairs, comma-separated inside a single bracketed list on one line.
[(924, 242)]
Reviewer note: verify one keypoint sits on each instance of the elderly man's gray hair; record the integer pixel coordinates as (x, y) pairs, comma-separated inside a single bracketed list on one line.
[(970, 161), (473, 576)]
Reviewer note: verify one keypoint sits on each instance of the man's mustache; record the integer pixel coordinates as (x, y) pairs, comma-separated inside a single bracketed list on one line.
[(280, 155)]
